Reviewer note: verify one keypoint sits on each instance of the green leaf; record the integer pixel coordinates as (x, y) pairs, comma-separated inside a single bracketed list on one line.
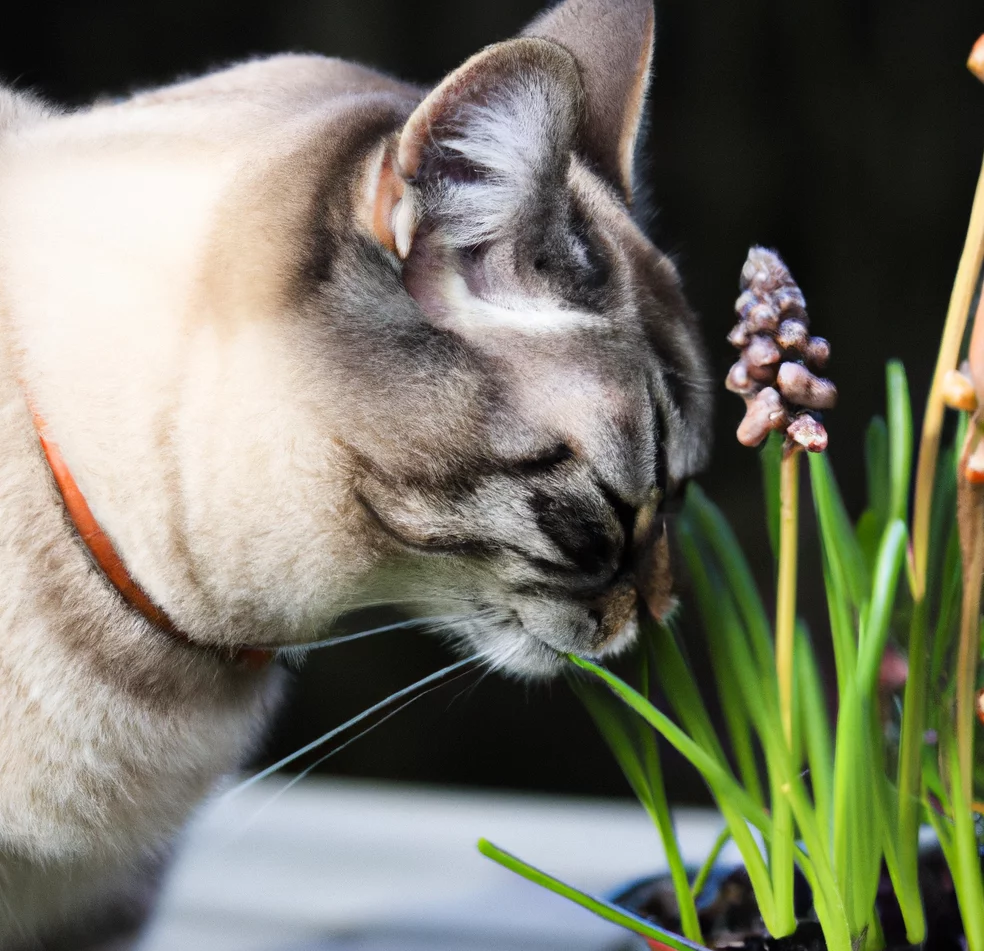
[(678, 683), (735, 804), (604, 909), (712, 532), (948, 619), (770, 459), (877, 470), (857, 835), (836, 531), (816, 728), (909, 781), (874, 635), (704, 872), (634, 747), (705, 762), (899, 439), (964, 857), (868, 532)]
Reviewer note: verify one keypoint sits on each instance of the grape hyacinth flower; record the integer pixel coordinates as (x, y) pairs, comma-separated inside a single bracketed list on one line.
[(777, 372)]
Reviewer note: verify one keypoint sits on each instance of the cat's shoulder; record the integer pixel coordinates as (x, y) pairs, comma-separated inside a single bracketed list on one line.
[(274, 80)]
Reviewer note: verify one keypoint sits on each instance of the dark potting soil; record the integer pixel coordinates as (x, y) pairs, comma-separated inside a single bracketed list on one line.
[(729, 916)]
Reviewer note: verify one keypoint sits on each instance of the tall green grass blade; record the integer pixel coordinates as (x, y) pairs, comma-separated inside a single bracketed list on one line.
[(734, 663), (770, 459), (604, 909), (705, 762), (736, 805), (858, 764), (689, 922), (874, 634), (652, 766), (635, 750), (678, 680), (877, 470), (723, 629), (781, 857), (704, 872), (899, 440), (836, 549), (856, 832), (681, 690), (836, 531), (906, 891), (948, 620), (815, 719), (842, 628), (910, 778), (739, 732), (965, 851), (714, 533)]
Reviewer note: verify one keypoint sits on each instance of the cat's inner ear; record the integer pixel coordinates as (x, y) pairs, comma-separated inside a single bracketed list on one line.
[(496, 131), (390, 218), (612, 41)]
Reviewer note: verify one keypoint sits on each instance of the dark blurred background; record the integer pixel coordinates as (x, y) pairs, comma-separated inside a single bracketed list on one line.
[(846, 133)]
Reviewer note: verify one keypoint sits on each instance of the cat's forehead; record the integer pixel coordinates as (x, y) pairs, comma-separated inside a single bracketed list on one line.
[(546, 333)]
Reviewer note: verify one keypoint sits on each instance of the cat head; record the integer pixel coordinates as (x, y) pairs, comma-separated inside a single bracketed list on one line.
[(572, 397), (359, 343)]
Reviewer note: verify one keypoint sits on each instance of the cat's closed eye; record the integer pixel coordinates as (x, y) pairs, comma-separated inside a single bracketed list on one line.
[(546, 461)]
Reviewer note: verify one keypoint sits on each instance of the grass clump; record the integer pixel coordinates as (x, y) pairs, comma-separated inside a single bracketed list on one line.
[(841, 797)]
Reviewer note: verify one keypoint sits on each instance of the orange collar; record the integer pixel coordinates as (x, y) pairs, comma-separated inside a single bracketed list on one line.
[(109, 562)]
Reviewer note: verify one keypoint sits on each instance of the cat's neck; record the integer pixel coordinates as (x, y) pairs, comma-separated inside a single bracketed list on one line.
[(81, 671), (166, 384)]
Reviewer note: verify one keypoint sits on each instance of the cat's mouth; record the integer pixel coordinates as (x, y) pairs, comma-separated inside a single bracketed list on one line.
[(540, 644)]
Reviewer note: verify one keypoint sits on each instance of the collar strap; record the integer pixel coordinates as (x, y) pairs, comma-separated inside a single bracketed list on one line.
[(108, 561)]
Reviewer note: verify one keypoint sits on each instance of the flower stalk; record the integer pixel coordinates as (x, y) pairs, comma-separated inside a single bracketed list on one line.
[(786, 596), (957, 314)]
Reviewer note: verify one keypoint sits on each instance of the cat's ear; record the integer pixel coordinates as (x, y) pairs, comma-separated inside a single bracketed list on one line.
[(612, 41), (492, 133)]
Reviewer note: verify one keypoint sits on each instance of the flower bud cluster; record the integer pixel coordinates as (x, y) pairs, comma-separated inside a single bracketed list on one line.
[(777, 371)]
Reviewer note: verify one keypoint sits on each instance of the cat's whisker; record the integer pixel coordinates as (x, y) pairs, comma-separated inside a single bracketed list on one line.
[(467, 692), (359, 635), (359, 718), (395, 602), (245, 826), (437, 622)]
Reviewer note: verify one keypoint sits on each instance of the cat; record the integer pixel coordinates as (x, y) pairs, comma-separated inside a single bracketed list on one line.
[(299, 337)]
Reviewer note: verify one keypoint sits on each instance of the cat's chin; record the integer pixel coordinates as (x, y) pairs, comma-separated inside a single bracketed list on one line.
[(513, 652)]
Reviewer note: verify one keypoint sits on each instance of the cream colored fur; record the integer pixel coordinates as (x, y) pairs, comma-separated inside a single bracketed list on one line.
[(276, 418), (137, 354)]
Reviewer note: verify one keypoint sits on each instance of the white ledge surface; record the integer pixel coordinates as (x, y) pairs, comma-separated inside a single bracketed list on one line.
[(327, 865)]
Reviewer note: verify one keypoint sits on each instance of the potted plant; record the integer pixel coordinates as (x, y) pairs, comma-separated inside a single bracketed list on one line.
[(833, 811)]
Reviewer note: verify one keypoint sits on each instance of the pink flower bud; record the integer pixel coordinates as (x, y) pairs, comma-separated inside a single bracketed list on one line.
[(763, 414), (807, 432), (800, 386), (762, 351)]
